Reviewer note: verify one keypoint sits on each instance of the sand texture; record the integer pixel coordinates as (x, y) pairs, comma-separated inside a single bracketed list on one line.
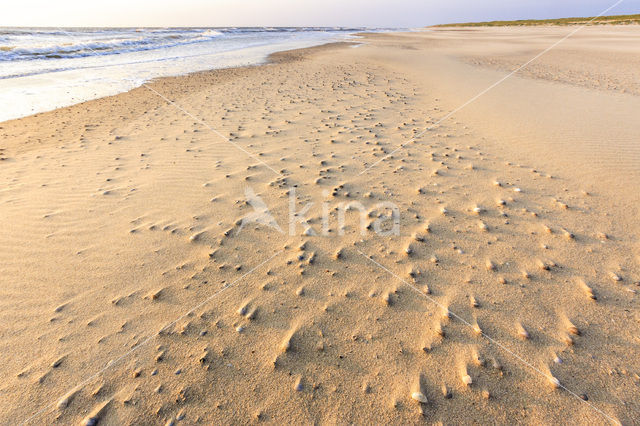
[(132, 292)]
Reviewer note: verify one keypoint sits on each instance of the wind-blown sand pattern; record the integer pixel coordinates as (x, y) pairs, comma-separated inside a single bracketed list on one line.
[(131, 294)]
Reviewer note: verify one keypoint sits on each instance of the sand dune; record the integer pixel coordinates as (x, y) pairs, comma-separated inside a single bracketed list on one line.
[(133, 292)]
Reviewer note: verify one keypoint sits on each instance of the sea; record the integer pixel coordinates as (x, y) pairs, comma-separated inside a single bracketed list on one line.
[(46, 68)]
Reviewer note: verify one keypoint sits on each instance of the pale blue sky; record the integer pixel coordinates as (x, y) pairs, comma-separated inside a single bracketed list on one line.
[(373, 13)]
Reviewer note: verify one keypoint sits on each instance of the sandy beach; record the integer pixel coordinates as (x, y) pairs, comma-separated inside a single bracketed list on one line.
[(140, 286)]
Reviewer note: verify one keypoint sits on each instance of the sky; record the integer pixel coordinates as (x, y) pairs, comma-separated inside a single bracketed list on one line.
[(358, 13)]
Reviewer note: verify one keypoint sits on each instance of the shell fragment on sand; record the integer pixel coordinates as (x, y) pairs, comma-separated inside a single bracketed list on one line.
[(419, 397)]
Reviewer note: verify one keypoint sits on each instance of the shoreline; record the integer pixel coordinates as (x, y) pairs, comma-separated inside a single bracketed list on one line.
[(268, 60), (272, 58), (48, 86)]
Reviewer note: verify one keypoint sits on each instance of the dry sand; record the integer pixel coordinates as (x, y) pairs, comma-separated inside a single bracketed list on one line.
[(130, 295)]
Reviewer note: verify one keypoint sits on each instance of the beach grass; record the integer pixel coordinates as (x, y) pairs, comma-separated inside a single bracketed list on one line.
[(601, 20)]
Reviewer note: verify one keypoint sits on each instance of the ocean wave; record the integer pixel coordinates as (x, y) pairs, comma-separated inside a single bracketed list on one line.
[(65, 45), (25, 44)]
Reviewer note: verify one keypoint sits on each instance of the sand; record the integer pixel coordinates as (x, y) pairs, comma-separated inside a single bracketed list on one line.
[(133, 292)]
